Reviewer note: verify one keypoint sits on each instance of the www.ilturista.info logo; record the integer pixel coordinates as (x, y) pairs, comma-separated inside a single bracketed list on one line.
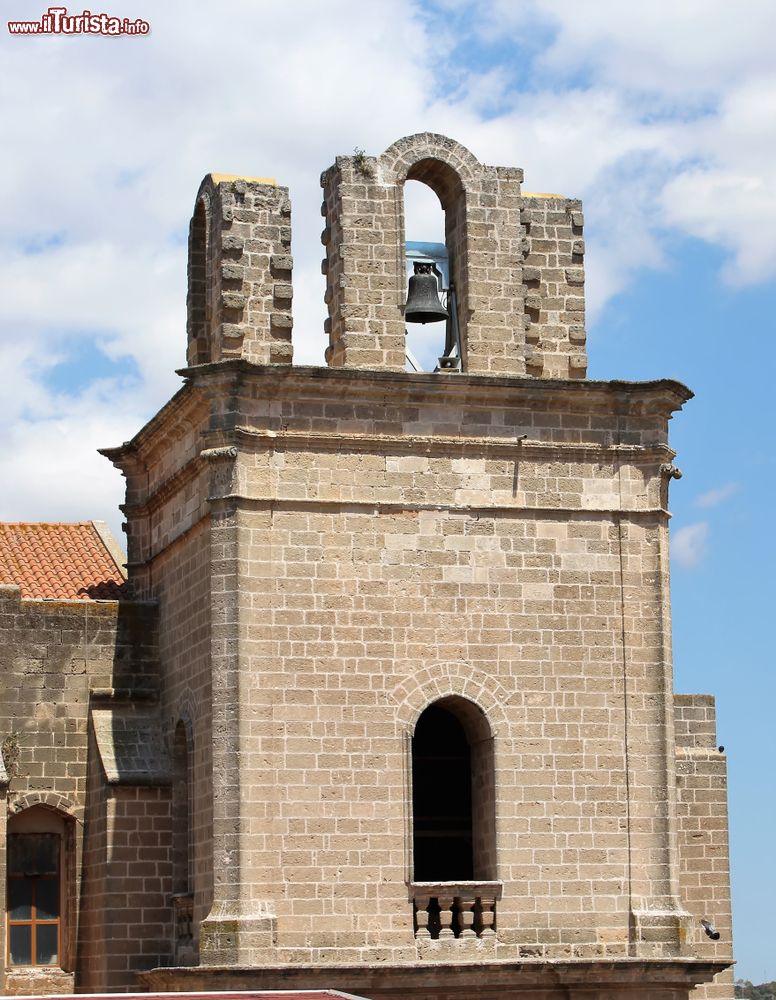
[(57, 21)]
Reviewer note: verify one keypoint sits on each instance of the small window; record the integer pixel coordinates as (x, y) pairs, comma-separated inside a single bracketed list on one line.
[(34, 899)]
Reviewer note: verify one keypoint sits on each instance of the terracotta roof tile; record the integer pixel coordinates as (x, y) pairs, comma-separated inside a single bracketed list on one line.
[(59, 562)]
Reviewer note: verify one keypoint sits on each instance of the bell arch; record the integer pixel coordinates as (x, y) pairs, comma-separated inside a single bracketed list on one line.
[(471, 195), (365, 255), (446, 183), (401, 158), (431, 335)]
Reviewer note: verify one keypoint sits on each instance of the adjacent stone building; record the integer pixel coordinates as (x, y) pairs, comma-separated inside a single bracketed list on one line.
[(385, 704)]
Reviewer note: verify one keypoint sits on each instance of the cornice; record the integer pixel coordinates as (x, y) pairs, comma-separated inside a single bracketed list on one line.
[(246, 502), (343, 386), (493, 389), (250, 440), (599, 975), (176, 413), (496, 447)]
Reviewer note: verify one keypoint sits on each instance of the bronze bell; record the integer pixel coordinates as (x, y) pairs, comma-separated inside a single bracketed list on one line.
[(423, 305)]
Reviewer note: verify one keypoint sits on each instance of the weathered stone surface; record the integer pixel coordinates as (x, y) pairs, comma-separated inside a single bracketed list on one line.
[(239, 238), (130, 745)]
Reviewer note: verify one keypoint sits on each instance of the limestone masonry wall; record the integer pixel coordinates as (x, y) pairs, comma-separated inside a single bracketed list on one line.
[(492, 543), (701, 768), (181, 577), (54, 657)]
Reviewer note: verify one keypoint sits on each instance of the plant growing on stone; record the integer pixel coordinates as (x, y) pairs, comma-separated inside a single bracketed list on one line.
[(361, 163)]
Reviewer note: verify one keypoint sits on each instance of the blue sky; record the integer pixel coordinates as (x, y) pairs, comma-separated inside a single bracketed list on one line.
[(661, 117)]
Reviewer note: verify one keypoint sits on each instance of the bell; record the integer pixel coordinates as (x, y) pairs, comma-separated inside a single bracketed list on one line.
[(423, 305)]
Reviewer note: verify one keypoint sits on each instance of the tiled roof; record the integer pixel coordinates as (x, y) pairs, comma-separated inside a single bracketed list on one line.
[(61, 561)]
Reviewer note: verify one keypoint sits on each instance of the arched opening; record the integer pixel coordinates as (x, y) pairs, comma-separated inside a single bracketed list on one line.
[(435, 232), (424, 230), (198, 299), (39, 873), (453, 794), (441, 798)]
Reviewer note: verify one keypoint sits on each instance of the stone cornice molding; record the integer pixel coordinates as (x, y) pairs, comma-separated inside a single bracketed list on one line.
[(518, 446), (261, 440), (300, 383), (664, 395), (400, 506), (530, 973)]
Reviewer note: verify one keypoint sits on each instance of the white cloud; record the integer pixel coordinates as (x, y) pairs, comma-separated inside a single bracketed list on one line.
[(726, 195), (692, 89), (681, 51), (713, 497), (661, 120), (690, 544), (49, 465), (132, 295), (110, 139)]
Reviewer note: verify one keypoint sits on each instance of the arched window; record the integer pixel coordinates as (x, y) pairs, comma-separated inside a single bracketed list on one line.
[(37, 877), (441, 798), (453, 794)]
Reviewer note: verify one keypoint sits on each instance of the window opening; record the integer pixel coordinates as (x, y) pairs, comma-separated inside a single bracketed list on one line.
[(34, 899), (441, 799)]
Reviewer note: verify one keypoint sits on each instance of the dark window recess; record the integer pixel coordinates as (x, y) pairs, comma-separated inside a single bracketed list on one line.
[(441, 799)]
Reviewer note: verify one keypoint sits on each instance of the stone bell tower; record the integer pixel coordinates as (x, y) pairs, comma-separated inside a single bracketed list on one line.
[(417, 626)]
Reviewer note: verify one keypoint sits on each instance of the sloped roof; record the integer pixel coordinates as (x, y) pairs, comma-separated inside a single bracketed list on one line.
[(67, 562)]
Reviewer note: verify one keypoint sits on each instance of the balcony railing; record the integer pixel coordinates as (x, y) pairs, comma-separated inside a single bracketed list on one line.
[(448, 910)]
